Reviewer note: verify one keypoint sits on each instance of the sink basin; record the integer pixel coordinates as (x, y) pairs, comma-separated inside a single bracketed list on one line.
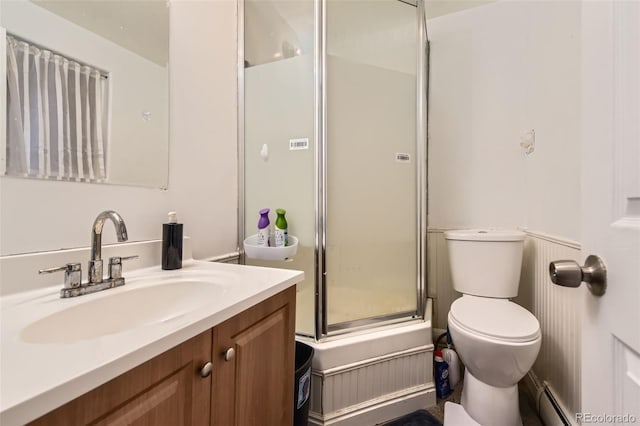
[(126, 308)]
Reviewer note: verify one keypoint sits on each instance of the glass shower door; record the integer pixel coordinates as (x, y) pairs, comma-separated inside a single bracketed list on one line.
[(372, 229), (279, 144), (341, 76)]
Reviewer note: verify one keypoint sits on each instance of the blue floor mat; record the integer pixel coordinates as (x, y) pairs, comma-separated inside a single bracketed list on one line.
[(417, 418)]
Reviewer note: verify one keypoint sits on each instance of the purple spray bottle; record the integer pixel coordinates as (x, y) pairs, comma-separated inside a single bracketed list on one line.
[(263, 228)]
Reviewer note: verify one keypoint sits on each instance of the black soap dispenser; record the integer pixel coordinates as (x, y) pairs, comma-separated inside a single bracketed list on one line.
[(172, 243)]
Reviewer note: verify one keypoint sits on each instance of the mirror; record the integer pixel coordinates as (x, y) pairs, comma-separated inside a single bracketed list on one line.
[(124, 46)]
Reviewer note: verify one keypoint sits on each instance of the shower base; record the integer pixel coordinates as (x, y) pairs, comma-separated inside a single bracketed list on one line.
[(374, 376)]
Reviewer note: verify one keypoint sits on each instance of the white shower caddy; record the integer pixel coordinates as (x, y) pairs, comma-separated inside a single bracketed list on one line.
[(254, 251)]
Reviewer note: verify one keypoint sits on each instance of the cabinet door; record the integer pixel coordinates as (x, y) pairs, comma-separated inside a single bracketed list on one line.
[(254, 385), (166, 390)]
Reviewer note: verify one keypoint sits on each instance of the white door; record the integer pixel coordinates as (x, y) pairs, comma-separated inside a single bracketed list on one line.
[(611, 210)]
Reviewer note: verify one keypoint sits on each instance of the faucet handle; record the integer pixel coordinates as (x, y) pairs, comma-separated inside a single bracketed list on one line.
[(115, 265), (72, 274)]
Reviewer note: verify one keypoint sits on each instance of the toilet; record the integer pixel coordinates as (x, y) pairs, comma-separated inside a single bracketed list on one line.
[(497, 340)]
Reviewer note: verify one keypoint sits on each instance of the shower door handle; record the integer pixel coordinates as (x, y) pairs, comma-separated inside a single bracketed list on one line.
[(568, 273)]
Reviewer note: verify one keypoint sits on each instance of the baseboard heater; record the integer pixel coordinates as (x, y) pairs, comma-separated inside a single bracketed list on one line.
[(549, 410)]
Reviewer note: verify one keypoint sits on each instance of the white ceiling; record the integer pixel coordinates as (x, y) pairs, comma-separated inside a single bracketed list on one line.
[(141, 26)]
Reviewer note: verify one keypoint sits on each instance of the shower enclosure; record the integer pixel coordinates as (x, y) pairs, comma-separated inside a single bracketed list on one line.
[(333, 130)]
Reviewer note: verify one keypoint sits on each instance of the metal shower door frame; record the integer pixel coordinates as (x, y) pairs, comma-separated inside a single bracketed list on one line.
[(322, 328)]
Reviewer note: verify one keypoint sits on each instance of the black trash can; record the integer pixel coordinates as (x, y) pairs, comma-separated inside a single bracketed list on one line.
[(304, 355)]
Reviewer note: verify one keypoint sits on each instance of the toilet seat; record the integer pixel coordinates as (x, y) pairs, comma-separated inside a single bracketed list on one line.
[(498, 319)]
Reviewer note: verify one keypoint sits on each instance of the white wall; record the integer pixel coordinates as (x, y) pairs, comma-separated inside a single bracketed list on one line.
[(204, 107), (42, 215), (496, 72)]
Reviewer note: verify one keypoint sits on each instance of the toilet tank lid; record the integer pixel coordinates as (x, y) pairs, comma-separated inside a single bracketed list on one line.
[(485, 235), (497, 318)]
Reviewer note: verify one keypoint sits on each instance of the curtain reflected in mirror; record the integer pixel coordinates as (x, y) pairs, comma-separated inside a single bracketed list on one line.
[(56, 121)]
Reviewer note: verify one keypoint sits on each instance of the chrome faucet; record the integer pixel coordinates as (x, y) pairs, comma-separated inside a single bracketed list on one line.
[(95, 264), (73, 285)]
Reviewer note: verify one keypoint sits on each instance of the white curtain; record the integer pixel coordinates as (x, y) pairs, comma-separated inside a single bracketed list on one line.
[(56, 125)]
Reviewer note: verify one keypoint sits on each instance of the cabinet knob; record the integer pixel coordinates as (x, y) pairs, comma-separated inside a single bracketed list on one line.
[(229, 354), (206, 369)]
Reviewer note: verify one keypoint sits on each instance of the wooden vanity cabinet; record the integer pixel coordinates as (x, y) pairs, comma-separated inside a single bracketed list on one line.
[(166, 390), (251, 385), (253, 358)]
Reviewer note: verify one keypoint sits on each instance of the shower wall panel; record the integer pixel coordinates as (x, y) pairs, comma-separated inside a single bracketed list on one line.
[(279, 106)]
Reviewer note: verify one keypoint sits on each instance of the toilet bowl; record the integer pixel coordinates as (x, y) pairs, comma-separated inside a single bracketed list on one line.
[(497, 340)]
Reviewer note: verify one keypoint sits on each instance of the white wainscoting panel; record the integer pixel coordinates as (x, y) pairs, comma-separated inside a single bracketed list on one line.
[(343, 395), (439, 277), (558, 310)]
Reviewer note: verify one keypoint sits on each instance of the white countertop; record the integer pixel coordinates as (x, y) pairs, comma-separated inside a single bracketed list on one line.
[(39, 376)]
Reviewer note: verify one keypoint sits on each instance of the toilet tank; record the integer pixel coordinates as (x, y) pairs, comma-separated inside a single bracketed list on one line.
[(485, 262)]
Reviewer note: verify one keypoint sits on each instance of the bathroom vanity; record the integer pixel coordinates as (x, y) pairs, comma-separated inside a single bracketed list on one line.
[(208, 344)]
